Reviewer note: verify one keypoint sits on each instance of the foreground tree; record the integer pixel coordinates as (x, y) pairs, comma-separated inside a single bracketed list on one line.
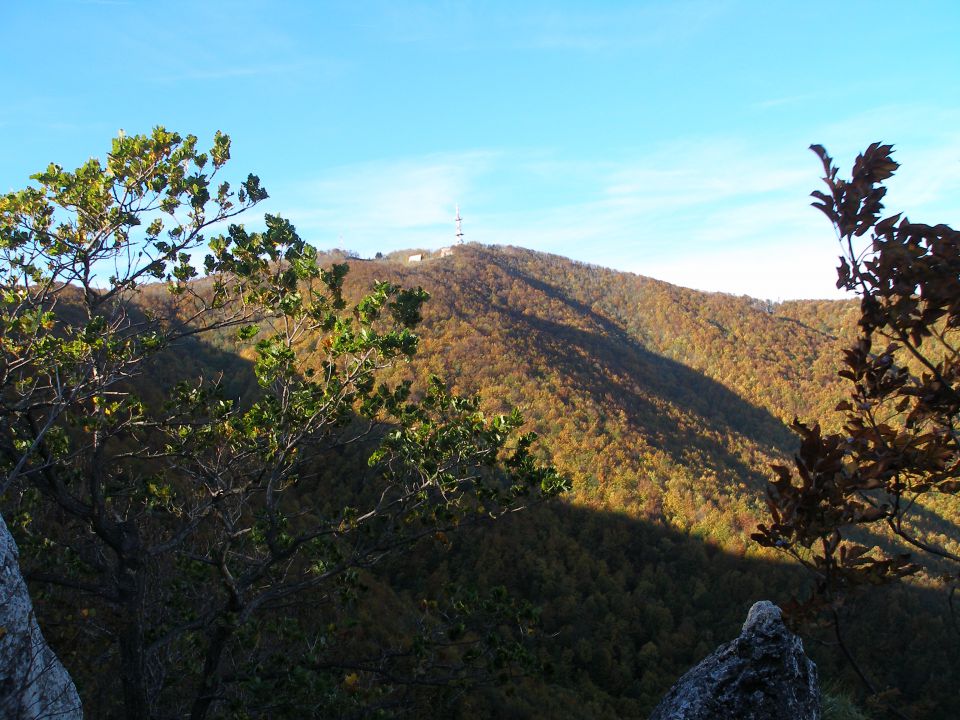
[(898, 454), (186, 525)]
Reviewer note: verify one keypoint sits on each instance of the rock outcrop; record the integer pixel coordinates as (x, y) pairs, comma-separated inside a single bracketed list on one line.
[(33, 683), (761, 675)]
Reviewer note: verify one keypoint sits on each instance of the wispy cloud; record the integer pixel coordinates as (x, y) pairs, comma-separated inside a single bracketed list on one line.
[(926, 144), (776, 270), (226, 72), (384, 205), (690, 201), (682, 200), (599, 27), (602, 28), (786, 100), (418, 22), (718, 213)]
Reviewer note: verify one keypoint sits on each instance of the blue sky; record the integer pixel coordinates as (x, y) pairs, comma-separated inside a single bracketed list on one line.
[(664, 138)]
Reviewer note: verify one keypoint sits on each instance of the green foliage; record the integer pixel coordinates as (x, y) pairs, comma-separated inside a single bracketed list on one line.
[(182, 517), (837, 705), (665, 423), (662, 405)]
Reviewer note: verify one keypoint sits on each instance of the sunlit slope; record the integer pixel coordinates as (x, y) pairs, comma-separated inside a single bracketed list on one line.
[(665, 406), (659, 400)]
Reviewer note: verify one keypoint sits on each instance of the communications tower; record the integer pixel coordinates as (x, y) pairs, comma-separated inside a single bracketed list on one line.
[(459, 222)]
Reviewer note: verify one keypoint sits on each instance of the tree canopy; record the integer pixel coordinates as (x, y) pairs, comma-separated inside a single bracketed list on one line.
[(179, 518)]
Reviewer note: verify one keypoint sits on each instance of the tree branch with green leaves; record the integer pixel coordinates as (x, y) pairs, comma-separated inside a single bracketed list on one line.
[(190, 520)]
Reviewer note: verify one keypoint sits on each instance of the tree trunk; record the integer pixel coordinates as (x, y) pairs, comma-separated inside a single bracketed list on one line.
[(130, 594), (210, 686)]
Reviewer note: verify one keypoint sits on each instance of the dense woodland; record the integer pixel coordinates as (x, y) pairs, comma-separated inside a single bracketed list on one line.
[(664, 407)]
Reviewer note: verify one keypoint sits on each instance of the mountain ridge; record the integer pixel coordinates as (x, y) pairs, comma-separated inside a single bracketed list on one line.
[(666, 405)]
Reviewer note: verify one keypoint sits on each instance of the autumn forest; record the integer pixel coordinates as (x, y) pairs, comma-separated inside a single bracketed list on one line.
[(252, 479)]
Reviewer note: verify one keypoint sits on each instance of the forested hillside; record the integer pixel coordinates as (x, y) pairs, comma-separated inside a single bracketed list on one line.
[(666, 406), (653, 397), (326, 394)]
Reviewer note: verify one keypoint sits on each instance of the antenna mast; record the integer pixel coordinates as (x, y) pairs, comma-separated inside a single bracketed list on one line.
[(459, 222)]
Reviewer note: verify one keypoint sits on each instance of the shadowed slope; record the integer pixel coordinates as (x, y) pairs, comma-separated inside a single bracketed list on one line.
[(665, 406)]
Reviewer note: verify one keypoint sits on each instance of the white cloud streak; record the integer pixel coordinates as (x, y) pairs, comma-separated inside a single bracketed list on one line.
[(383, 205), (719, 214), (605, 29)]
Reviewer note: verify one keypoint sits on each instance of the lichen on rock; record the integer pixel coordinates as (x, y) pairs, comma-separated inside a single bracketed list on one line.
[(763, 674), (33, 683)]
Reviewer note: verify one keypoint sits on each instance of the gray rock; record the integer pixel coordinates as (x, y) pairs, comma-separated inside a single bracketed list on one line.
[(761, 675), (33, 683)]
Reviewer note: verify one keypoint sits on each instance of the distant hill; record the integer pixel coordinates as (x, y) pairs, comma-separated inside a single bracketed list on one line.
[(618, 371), (666, 406)]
